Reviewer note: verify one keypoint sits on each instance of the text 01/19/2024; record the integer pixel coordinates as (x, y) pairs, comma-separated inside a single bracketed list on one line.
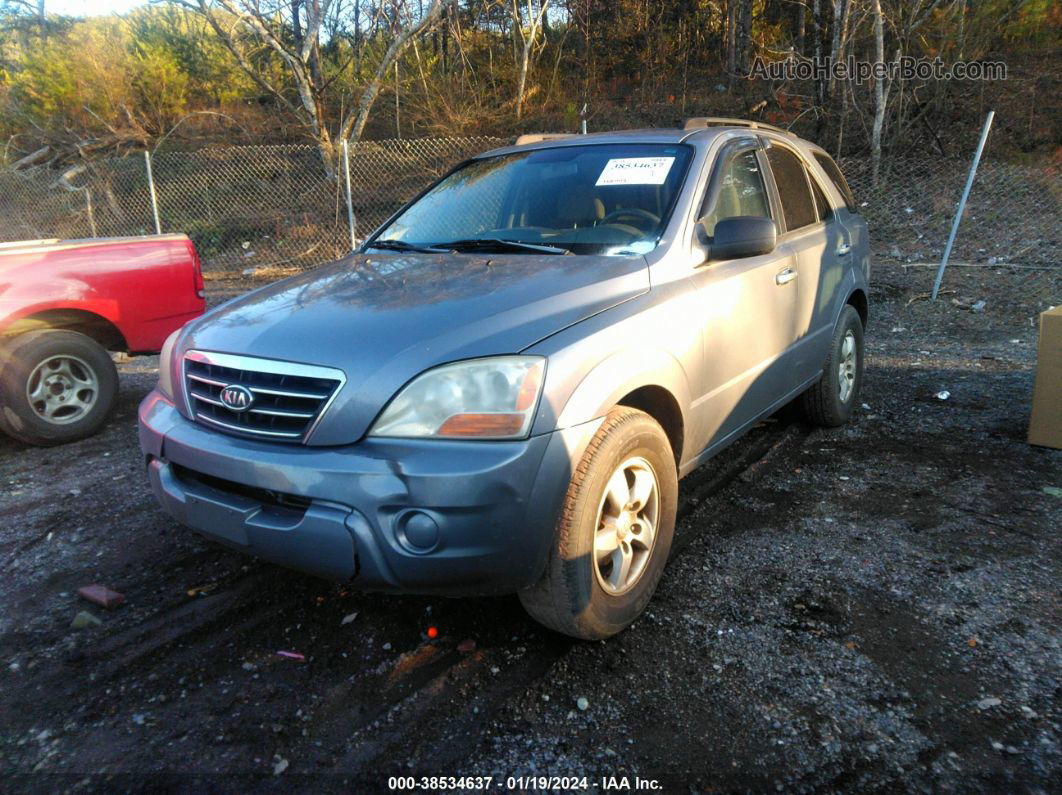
[(521, 783)]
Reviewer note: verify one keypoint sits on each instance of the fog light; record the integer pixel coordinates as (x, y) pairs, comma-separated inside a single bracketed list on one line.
[(417, 531)]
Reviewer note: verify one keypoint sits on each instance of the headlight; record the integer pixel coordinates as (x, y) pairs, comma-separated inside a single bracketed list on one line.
[(491, 398), (166, 366)]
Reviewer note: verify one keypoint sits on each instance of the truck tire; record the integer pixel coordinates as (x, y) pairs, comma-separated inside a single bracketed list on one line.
[(55, 387), (614, 533), (829, 402)]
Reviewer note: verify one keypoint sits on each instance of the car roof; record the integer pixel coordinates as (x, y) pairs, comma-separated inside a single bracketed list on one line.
[(659, 135), (663, 135)]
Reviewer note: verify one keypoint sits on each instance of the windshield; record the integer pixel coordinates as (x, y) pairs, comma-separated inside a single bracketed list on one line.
[(590, 199)]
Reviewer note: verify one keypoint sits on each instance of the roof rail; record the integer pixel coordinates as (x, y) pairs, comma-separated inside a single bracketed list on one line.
[(700, 122), (534, 138)]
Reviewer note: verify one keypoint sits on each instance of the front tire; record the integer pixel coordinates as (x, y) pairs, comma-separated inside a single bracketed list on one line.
[(830, 401), (614, 534), (55, 387)]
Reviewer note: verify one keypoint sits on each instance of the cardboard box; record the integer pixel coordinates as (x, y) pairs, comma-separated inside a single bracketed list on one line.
[(1045, 426)]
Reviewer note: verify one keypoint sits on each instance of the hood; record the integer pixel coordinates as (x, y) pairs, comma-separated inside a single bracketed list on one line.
[(383, 318)]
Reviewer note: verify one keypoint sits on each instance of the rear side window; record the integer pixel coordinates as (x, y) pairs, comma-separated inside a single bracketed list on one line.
[(821, 204), (797, 202), (837, 178)]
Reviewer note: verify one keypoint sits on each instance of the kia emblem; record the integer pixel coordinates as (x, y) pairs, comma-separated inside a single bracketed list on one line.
[(237, 398)]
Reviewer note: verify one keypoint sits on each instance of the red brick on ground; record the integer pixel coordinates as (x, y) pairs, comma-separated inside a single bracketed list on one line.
[(101, 595)]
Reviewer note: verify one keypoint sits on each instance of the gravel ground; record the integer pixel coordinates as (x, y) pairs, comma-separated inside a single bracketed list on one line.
[(871, 608)]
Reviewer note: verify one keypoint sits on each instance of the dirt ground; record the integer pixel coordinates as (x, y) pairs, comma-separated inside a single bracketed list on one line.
[(870, 608)]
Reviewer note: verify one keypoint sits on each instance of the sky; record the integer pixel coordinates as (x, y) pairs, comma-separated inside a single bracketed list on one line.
[(85, 8)]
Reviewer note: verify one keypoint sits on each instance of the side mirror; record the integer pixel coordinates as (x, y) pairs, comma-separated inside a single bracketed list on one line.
[(743, 236)]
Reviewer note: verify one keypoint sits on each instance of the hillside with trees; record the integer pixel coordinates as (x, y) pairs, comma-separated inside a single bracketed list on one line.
[(181, 74)]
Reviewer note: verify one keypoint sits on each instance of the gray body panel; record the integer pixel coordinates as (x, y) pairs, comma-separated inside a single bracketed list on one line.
[(383, 318), (727, 342), (483, 498)]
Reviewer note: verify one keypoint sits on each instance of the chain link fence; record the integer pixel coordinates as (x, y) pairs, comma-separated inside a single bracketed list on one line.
[(251, 210), (268, 210), (1012, 223)]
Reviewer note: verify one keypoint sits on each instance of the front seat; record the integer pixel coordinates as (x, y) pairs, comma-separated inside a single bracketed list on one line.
[(578, 209)]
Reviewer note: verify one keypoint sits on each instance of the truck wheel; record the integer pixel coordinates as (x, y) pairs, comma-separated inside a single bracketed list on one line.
[(55, 387), (830, 401), (614, 533)]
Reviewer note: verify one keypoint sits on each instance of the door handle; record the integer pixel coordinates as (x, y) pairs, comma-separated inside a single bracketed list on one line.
[(785, 276), (843, 249)]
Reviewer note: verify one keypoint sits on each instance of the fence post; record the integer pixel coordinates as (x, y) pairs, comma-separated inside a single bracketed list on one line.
[(154, 198), (962, 203), (350, 203), (91, 215)]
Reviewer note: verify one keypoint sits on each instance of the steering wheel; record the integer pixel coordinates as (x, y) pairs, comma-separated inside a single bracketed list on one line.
[(631, 213)]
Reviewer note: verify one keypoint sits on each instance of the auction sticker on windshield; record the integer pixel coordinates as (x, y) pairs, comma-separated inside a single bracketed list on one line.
[(635, 171)]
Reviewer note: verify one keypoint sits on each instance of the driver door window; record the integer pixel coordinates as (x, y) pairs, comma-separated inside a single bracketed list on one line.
[(741, 192)]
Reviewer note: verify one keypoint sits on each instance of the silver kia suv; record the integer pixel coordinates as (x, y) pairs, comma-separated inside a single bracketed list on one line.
[(499, 391)]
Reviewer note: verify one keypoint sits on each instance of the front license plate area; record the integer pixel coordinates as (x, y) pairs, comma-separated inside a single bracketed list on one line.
[(217, 519)]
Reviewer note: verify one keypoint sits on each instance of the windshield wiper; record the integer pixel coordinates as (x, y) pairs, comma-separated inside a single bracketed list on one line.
[(496, 243), (401, 245)]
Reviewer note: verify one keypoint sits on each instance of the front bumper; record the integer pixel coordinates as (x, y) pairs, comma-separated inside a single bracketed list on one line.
[(422, 516)]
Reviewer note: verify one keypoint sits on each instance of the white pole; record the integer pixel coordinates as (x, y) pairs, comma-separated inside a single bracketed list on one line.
[(154, 198), (962, 202), (350, 203), (91, 214)]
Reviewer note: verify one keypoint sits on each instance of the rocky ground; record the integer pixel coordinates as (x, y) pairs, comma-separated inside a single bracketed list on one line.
[(870, 608)]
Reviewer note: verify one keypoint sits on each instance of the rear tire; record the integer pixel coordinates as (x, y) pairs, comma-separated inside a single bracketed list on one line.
[(614, 534), (829, 402), (55, 387)]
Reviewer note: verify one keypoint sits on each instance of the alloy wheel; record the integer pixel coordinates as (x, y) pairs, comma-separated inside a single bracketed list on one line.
[(846, 368), (626, 526)]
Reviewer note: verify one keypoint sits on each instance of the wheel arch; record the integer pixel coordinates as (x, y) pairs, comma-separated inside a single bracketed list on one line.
[(660, 404), (858, 300), (94, 326), (646, 379)]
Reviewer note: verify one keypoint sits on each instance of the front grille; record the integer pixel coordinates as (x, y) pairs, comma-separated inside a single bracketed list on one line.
[(286, 398)]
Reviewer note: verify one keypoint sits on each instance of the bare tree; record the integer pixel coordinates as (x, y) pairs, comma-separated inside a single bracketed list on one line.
[(841, 10), (731, 41), (32, 8), (744, 36), (799, 11), (816, 27), (292, 30), (880, 95), (354, 124), (527, 42)]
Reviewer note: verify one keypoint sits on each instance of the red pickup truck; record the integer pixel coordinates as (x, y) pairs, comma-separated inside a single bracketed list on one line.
[(65, 305)]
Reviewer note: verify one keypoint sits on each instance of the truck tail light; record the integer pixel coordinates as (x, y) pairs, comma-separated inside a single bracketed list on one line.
[(197, 271)]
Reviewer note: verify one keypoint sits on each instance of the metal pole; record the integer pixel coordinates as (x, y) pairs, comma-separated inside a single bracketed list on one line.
[(154, 198), (962, 202), (91, 215), (398, 119), (350, 203)]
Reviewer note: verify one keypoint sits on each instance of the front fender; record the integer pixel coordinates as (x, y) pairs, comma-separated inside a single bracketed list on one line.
[(613, 378)]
